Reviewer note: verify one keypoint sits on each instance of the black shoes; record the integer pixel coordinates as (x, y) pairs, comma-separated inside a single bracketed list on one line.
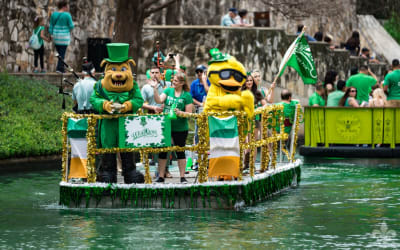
[(160, 180)]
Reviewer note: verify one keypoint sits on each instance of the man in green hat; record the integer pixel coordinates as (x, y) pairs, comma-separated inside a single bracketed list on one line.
[(116, 93)]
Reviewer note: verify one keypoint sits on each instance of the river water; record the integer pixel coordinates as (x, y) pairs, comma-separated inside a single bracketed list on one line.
[(337, 205)]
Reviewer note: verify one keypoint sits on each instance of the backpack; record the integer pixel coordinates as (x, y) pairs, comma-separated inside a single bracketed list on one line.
[(34, 41)]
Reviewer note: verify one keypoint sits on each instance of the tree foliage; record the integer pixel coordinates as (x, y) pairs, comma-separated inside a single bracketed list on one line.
[(392, 26)]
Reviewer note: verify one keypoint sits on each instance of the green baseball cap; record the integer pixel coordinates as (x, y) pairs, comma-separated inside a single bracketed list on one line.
[(168, 74), (117, 52)]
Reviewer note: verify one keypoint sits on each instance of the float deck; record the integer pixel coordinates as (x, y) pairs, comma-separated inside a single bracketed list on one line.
[(207, 195)]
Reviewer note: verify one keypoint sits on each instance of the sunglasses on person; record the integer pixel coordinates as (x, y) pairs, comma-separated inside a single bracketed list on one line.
[(353, 90), (225, 74)]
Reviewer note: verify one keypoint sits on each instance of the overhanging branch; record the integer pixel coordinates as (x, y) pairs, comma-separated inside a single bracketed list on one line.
[(158, 8)]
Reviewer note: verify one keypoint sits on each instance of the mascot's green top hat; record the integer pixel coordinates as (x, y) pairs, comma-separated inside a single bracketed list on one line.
[(217, 56), (117, 52)]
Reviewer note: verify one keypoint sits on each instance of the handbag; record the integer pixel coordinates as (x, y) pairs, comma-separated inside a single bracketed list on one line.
[(34, 40)]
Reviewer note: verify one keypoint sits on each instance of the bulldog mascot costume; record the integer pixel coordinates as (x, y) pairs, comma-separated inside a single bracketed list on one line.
[(116, 93)]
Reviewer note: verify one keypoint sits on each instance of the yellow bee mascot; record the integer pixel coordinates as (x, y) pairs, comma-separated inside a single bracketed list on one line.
[(226, 76), (117, 92)]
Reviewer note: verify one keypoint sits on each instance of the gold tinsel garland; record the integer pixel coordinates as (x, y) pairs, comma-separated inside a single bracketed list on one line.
[(147, 176), (203, 146), (64, 156), (269, 116), (264, 149), (296, 128), (91, 149), (242, 142), (253, 148), (275, 143)]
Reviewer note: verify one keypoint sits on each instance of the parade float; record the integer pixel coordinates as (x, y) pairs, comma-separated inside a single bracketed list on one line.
[(225, 131), (351, 132), (278, 169)]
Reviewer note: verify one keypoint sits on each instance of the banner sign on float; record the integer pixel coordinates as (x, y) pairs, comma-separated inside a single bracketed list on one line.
[(144, 131)]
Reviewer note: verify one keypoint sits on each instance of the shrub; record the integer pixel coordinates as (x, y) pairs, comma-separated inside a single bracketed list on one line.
[(30, 117)]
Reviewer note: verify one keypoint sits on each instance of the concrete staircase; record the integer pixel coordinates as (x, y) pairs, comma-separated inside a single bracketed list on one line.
[(375, 37)]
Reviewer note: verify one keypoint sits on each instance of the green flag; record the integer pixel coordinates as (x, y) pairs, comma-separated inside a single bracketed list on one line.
[(299, 57)]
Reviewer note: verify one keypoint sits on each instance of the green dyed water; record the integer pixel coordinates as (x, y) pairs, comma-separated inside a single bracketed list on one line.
[(337, 205)]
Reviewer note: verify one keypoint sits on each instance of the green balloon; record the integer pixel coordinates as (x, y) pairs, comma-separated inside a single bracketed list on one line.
[(148, 74)]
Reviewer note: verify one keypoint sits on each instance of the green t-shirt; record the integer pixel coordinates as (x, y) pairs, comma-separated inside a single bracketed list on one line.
[(37, 31), (180, 124), (334, 98), (393, 81), (363, 84), (288, 112), (315, 98)]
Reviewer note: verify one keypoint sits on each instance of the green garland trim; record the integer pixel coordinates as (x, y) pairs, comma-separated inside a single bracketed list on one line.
[(224, 196)]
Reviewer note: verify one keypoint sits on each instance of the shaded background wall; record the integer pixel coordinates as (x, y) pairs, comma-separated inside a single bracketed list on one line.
[(260, 48)]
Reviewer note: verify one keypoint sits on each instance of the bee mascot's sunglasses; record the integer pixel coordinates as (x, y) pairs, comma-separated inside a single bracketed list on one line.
[(225, 74)]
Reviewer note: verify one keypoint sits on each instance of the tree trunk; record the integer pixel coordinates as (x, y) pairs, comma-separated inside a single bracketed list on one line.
[(129, 25), (173, 13)]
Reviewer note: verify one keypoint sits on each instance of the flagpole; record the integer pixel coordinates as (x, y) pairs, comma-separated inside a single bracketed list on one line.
[(302, 32)]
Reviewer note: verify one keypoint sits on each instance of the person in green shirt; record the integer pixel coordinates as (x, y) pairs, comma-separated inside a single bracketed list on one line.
[(316, 99), (39, 53), (289, 108), (335, 96), (60, 29), (178, 95), (391, 85), (363, 82)]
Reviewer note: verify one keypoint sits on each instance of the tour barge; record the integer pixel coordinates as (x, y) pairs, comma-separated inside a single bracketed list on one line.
[(351, 132), (276, 171)]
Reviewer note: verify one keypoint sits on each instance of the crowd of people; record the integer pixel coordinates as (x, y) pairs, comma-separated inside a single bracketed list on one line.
[(362, 89)]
